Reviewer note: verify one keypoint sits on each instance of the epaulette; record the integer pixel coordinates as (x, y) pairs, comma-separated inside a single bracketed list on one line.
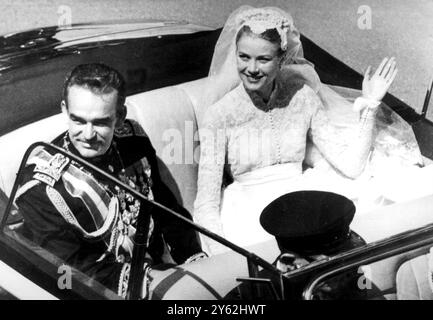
[(49, 169), (130, 128)]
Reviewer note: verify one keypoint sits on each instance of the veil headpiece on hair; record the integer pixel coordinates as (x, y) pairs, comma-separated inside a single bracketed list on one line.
[(261, 20), (223, 77)]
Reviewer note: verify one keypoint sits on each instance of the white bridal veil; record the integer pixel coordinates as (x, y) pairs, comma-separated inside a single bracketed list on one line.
[(395, 140)]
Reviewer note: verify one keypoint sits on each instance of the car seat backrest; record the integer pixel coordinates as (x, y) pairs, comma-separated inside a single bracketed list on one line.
[(382, 274), (167, 116), (15, 144), (197, 92)]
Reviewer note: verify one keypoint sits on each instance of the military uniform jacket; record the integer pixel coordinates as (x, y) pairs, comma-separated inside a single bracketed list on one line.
[(69, 211)]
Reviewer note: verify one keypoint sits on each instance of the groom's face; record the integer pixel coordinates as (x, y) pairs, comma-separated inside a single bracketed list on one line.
[(92, 119)]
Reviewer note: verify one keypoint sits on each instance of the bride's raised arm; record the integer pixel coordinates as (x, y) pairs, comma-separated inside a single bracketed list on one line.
[(348, 150)]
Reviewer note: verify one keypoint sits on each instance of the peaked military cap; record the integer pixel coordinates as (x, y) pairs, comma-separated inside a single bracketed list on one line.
[(311, 222)]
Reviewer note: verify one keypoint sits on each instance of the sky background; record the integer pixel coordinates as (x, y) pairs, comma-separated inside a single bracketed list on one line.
[(358, 32)]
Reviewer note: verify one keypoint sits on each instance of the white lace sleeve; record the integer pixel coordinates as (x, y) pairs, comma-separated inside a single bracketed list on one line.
[(345, 147), (212, 158)]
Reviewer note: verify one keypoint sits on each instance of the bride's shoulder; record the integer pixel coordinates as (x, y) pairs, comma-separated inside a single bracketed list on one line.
[(302, 97), (293, 90), (309, 97), (307, 91)]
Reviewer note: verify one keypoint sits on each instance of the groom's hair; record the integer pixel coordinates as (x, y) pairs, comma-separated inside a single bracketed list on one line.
[(98, 78)]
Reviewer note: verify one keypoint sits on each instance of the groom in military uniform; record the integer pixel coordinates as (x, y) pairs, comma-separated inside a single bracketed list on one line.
[(83, 218)]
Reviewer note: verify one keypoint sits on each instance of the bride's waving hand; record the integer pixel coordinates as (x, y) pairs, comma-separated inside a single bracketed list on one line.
[(375, 86)]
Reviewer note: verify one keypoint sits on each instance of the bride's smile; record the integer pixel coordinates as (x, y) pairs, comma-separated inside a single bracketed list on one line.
[(258, 64)]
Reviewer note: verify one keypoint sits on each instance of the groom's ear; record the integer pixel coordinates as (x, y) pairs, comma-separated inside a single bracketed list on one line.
[(64, 108), (120, 115)]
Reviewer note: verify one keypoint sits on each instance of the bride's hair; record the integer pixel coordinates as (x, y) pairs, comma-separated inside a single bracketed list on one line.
[(270, 35)]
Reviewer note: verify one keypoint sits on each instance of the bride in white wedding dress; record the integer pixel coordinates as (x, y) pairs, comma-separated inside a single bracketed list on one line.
[(270, 115)]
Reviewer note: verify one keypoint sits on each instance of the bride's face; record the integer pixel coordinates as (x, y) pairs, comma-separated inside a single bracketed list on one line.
[(258, 63)]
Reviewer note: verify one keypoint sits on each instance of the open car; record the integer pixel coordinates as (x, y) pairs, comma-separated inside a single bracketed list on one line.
[(165, 64)]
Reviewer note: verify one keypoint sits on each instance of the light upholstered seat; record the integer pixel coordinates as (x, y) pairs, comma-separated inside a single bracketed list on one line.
[(15, 144), (413, 281), (169, 116)]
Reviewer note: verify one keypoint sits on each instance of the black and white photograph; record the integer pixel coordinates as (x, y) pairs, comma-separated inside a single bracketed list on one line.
[(224, 156)]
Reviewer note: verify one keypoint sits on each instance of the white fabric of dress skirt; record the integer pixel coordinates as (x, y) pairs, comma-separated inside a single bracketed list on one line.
[(244, 199)]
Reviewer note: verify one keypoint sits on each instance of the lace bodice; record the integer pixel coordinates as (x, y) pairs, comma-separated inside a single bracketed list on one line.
[(243, 136)]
